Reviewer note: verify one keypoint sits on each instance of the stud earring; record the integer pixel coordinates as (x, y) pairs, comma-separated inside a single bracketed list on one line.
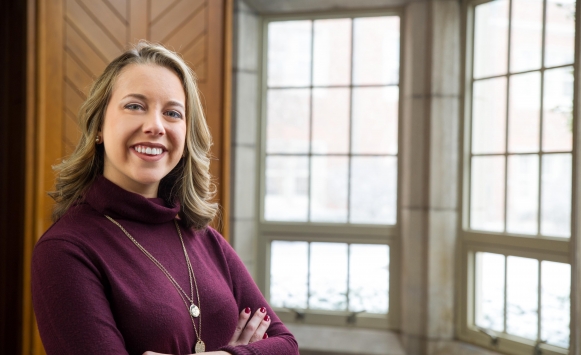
[(98, 139)]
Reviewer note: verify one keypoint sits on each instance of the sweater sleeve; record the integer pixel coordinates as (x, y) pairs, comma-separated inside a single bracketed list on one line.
[(280, 341), (72, 310)]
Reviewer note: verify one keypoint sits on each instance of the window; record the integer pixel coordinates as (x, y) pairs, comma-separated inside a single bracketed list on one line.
[(517, 186), (329, 167)]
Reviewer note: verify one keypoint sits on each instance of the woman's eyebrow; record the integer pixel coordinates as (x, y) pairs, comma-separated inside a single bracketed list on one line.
[(176, 103), (137, 96), (143, 97)]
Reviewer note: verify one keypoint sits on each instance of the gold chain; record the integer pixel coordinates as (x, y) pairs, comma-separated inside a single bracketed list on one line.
[(178, 288)]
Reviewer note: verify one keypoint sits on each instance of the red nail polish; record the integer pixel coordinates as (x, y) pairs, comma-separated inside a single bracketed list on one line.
[(265, 336), (262, 309), (266, 318), (247, 310)]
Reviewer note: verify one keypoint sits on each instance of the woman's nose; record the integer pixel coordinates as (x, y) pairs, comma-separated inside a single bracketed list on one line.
[(154, 124)]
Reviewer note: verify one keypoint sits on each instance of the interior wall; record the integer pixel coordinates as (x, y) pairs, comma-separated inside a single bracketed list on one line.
[(13, 55), (245, 122)]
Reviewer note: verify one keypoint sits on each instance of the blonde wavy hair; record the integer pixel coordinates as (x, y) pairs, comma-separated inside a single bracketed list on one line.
[(189, 182)]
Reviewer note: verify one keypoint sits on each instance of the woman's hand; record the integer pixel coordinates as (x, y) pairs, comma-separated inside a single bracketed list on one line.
[(247, 331), (250, 331)]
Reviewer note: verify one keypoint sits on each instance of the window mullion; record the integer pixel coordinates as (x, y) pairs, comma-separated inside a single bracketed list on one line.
[(507, 111), (309, 276), (505, 292), (541, 118), (349, 162), (310, 157), (348, 275), (539, 302)]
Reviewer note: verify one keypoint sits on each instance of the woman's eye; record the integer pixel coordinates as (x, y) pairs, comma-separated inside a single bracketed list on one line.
[(133, 107), (174, 114)]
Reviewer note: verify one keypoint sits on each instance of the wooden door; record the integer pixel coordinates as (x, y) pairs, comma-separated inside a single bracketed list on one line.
[(75, 39)]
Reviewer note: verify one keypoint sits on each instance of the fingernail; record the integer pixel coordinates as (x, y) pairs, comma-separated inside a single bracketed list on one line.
[(262, 309), (247, 310), (266, 318), (265, 336)]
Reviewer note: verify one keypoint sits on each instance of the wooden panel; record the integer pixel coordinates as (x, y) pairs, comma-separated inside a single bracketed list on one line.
[(108, 19), (30, 335), (173, 19), (195, 56), (72, 99), (137, 21), (158, 7), (120, 8), (72, 132), (212, 87), (76, 75), (92, 31), (83, 52), (187, 33), (228, 9)]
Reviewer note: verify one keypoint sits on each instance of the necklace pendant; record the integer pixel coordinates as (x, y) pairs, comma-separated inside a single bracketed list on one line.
[(194, 311), (200, 347)]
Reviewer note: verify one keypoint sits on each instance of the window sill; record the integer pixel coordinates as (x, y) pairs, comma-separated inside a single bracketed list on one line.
[(319, 340)]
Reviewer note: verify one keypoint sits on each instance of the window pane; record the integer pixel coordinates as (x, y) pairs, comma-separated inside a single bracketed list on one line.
[(558, 110), (330, 121), (373, 190), (560, 32), (332, 52), (376, 50), (490, 291), (287, 121), (524, 112), (489, 116), (490, 38), (288, 274), (526, 35), (487, 193), (289, 53), (556, 195), (328, 276), (368, 278), (374, 124), (555, 303), (522, 297), (287, 188), (329, 181), (523, 194)]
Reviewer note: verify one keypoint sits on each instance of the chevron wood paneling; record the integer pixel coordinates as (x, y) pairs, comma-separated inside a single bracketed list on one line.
[(120, 7)]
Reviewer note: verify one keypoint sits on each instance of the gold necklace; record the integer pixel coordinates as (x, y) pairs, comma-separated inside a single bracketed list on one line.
[(193, 310)]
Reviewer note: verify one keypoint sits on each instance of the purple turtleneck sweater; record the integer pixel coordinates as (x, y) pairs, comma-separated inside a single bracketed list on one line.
[(95, 292)]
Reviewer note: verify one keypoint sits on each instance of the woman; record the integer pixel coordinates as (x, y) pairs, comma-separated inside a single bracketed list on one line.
[(130, 265)]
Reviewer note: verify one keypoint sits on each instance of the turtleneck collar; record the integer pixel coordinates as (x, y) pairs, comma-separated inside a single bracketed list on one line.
[(107, 198)]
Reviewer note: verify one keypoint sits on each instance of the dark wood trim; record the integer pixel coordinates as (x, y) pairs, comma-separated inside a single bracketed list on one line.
[(13, 109)]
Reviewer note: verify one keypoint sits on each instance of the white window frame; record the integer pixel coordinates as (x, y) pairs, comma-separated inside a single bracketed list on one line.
[(268, 231), (540, 248)]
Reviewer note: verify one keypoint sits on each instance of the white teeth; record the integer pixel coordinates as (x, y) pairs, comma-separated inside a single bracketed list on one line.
[(148, 150)]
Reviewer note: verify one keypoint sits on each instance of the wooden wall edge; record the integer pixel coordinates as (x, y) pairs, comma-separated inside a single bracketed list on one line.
[(227, 120), (28, 320)]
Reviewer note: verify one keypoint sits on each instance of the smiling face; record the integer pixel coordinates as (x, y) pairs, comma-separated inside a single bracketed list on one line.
[(144, 128)]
